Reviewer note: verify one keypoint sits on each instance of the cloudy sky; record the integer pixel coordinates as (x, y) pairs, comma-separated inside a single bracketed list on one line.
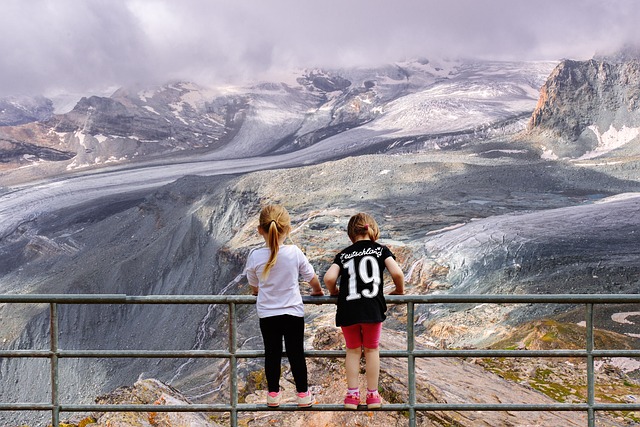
[(88, 45)]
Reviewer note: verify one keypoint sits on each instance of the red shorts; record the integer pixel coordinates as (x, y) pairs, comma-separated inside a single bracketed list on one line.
[(362, 334)]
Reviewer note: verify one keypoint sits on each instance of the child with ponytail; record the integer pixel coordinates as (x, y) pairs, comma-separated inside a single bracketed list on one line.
[(361, 305), (273, 274)]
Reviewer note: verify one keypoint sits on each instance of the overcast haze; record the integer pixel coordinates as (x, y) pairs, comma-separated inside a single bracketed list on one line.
[(89, 45)]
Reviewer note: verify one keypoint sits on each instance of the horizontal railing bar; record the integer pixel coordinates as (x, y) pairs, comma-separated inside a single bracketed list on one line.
[(511, 298), (616, 353), (26, 407), (26, 353), (324, 407), (500, 353), (328, 407), (146, 408), (191, 299), (65, 298), (250, 299), (221, 354), (617, 406), (127, 299), (517, 353), (516, 407), (72, 354)]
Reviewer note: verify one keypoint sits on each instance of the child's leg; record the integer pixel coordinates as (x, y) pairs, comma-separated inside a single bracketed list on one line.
[(371, 342), (294, 344), (372, 360), (272, 337), (352, 366), (353, 339)]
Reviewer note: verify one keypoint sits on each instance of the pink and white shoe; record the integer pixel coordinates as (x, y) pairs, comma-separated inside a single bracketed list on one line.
[(373, 400), (352, 400), (305, 399), (273, 399)]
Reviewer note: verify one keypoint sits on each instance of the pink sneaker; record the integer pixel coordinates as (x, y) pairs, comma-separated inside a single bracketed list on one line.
[(373, 400), (273, 399), (352, 400), (305, 399)]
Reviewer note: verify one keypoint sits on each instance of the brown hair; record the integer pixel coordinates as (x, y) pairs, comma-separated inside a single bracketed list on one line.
[(274, 222), (361, 224)]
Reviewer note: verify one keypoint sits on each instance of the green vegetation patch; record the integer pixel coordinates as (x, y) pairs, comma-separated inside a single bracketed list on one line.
[(564, 380)]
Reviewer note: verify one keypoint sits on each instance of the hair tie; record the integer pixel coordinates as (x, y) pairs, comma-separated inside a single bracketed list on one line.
[(366, 226)]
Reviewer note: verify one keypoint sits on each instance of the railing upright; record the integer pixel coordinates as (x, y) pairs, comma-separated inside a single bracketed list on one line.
[(233, 364), (411, 364), (591, 380), (53, 331)]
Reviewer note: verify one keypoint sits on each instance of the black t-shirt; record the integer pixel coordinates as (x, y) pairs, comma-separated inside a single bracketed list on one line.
[(361, 299)]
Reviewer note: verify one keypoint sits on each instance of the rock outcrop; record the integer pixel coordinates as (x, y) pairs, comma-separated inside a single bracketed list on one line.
[(20, 110), (589, 106), (143, 392)]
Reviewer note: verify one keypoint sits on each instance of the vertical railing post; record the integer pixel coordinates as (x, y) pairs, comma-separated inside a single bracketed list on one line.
[(233, 364), (53, 331), (411, 364), (591, 390)]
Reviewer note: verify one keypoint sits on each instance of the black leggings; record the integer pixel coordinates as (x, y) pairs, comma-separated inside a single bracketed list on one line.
[(292, 329)]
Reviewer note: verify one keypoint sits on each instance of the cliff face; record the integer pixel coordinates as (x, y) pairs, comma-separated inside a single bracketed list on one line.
[(166, 242), (583, 100)]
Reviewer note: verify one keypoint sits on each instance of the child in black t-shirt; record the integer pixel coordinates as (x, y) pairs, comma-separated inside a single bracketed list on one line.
[(361, 304)]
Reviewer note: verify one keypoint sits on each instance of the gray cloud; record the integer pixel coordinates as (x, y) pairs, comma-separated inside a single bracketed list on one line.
[(78, 45)]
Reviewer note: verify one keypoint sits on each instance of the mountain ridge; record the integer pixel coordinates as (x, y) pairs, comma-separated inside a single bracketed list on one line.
[(269, 118)]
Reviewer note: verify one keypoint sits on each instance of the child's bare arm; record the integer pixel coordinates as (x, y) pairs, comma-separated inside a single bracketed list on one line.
[(330, 279), (315, 286), (396, 274)]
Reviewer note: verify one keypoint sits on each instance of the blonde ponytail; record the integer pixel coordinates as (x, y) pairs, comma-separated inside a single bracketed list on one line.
[(274, 222)]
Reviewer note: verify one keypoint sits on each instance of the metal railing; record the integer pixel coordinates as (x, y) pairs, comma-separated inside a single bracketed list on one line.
[(234, 407)]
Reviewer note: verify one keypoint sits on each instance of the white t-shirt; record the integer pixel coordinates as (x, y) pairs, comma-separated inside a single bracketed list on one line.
[(279, 293)]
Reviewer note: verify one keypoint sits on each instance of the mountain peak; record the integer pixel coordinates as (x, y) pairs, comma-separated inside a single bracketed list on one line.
[(583, 104)]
